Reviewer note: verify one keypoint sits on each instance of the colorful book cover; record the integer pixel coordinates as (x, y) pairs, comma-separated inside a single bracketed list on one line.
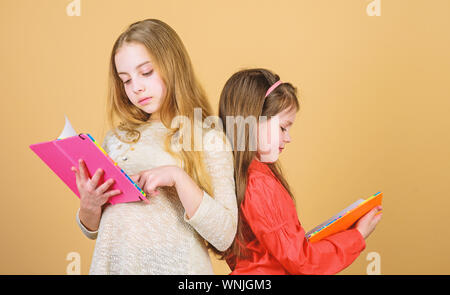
[(64, 152), (344, 219)]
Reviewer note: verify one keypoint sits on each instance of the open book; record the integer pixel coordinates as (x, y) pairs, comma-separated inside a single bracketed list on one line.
[(344, 219), (63, 153)]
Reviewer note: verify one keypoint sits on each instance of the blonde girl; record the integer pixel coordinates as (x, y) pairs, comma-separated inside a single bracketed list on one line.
[(192, 203)]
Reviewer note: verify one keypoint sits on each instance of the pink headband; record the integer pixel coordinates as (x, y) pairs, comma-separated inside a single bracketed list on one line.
[(275, 85)]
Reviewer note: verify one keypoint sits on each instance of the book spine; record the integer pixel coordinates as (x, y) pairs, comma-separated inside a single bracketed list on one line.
[(117, 166), (322, 227)]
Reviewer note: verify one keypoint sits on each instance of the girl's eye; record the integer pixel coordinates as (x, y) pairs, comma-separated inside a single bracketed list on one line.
[(283, 129), (148, 73), (145, 74)]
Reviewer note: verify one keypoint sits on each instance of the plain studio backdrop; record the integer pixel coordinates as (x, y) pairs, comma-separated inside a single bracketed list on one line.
[(373, 79)]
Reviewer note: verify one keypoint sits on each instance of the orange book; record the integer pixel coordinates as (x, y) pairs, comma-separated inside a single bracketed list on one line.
[(344, 219)]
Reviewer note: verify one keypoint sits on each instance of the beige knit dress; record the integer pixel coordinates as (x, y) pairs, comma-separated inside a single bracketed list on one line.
[(157, 238)]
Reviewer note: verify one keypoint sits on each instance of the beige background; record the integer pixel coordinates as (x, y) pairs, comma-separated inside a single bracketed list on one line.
[(374, 97)]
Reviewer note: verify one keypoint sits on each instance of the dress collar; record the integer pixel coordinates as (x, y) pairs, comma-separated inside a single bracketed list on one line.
[(260, 166)]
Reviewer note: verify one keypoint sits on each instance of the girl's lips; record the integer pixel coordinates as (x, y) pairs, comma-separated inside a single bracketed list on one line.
[(144, 100)]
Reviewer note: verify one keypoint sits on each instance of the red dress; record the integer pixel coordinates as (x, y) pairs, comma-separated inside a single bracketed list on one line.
[(279, 245)]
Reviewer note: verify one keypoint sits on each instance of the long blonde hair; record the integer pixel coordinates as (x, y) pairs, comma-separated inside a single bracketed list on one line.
[(183, 94), (244, 95)]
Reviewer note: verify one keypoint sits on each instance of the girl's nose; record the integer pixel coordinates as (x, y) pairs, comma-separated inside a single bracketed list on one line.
[(287, 138), (138, 87)]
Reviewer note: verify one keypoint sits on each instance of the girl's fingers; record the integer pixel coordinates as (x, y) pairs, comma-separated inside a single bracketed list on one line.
[(112, 193), (373, 212), (377, 218), (77, 177), (377, 211), (135, 178), (376, 215), (150, 187), (109, 194), (83, 170), (96, 178), (142, 181), (104, 187)]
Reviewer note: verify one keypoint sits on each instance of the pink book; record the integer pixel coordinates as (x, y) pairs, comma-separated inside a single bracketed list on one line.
[(61, 154)]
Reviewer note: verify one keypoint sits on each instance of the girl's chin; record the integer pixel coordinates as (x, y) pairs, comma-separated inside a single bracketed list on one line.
[(268, 158), (148, 109)]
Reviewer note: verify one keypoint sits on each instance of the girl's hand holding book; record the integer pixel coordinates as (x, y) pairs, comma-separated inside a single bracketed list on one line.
[(93, 195), (366, 224)]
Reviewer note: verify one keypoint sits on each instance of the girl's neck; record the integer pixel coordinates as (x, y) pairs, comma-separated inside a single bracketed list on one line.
[(154, 117), (257, 157)]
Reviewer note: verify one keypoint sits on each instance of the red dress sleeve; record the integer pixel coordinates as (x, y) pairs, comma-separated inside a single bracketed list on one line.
[(272, 216)]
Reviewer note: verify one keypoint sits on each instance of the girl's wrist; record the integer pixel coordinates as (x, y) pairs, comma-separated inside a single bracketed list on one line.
[(178, 176), (89, 210), (364, 237), (89, 220)]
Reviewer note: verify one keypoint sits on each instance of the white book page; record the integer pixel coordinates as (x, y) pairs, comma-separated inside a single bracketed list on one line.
[(68, 130), (343, 212)]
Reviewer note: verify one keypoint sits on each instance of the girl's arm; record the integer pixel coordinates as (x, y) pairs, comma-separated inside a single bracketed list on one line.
[(213, 217), (88, 232), (271, 214), (216, 216), (93, 198), (189, 193)]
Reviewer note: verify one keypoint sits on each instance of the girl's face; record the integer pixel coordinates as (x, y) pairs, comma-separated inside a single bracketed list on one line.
[(142, 84), (273, 135)]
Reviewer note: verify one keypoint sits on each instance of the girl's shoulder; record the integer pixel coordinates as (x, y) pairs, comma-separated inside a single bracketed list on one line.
[(266, 202), (262, 179), (116, 136), (260, 170), (112, 134), (214, 140), (108, 140), (263, 186)]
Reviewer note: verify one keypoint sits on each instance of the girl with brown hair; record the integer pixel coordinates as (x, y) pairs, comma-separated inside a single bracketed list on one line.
[(270, 238)]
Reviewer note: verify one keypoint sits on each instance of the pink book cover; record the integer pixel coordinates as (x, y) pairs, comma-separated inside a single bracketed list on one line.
[(61, 154)]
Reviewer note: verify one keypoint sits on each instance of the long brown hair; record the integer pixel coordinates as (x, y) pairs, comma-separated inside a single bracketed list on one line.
[(244, 95), (183, 94)]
